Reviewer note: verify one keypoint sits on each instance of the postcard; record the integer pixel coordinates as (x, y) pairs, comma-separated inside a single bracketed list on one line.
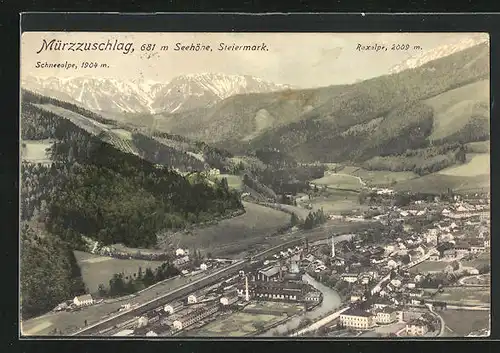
[(249, 185)]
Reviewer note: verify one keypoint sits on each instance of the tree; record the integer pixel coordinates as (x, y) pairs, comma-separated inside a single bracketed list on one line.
[(294, 220), (101, 290), (362, 197), (258, 325), (148, 277)]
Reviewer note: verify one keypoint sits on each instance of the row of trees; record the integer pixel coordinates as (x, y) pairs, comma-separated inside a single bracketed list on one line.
[(314, 219), (120, 284)]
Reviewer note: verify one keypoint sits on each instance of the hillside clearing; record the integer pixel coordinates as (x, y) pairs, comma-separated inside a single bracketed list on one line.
[(124, 134), (439, 183), (382, 177), (99, 269), (478, 147), (337, 202), (477, 164), (251, 227), (90, 125), (233, 181), (339, 181), (453, 109), (35, 151)]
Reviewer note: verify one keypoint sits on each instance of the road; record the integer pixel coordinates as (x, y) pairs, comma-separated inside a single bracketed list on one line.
[(320, 323), (470, 308), (442, 325), (478, 277)]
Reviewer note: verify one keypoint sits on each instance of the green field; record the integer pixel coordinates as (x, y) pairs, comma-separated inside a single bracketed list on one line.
[(339, 181), (463, 322), (478, 147), (429, 266), (249, 228), (238, 324), (383, 177), (464, 295), (337, 201), (99, 269), (454, 109), (267, 307), (477, 164), (233, 181), (481, 260), (439, 183), (35, 151)]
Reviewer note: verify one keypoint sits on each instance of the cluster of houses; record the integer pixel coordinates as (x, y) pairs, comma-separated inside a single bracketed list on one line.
[(416, 323)]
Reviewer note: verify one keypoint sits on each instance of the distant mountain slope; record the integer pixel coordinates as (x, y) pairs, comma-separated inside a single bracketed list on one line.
[(121, 96), (439, 52), (201, 90)]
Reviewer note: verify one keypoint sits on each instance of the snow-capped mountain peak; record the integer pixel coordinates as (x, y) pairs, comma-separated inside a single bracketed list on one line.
[(139, 96), (438, 52)]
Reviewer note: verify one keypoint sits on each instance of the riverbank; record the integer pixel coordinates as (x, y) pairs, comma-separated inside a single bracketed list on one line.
[(331, 301)]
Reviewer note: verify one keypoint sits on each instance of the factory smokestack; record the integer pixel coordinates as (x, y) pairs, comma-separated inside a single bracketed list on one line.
[(333, 247), (247, 295)]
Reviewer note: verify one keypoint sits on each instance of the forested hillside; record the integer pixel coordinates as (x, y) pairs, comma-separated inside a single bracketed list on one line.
[(112, 196), (49, 272)]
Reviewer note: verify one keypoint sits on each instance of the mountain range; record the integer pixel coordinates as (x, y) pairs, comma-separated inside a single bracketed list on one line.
[(421, 119), (121, 96), (321, 123)]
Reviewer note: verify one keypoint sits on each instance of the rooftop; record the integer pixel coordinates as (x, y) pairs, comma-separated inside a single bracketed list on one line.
[(84, 297), (357, 312), (269, 272)]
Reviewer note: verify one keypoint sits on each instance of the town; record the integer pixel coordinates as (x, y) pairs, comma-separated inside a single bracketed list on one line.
[(424, 265)]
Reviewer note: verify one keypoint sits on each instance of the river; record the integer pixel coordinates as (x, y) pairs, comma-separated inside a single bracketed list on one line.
[(331, 301)]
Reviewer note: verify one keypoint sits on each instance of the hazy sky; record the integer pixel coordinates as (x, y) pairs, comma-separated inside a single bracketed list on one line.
[(300, 59)]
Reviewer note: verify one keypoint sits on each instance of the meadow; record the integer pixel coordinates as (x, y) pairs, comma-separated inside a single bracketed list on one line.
[(476, 164), (248, 228), (463, 322), (98, 269), (463, 295), (453, 109), (429, 266), (35, 151), (238, 325), (339, 181), (337, 201)]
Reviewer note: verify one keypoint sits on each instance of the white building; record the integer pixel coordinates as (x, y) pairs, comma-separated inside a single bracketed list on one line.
[(83, 300), (357, 319), (416, 328), (386, 316), (203, 267), (191, 299), (392, 264), (350, 277), (180, 252)]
